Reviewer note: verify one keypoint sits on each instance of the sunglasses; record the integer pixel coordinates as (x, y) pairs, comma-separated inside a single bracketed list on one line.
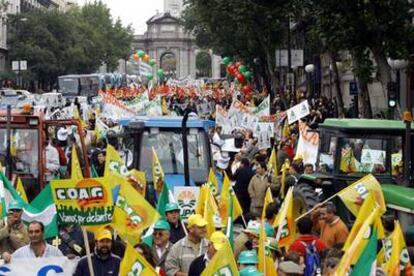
[(158, 233)]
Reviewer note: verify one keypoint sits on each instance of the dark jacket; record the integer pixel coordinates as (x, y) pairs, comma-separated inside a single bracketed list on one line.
[(197, 266), (101, 267), (176, 233), (242, 177)]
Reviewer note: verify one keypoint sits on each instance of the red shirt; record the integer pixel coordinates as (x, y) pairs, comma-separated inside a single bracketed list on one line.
[(299, 247)]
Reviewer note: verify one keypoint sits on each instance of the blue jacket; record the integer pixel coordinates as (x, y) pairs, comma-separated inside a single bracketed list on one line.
[(101, 267)]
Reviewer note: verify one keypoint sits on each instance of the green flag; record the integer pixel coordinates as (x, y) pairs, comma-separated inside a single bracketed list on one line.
[(163, 199), (367, 258), (229, 230)]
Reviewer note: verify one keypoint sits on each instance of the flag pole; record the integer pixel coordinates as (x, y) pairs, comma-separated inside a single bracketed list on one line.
[(88, 252), (311, 210)]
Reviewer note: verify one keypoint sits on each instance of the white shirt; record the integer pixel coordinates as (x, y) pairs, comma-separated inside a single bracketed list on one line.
[(52, 158)]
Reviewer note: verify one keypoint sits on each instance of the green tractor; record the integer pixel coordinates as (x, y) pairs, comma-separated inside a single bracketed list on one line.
[(350, 149)]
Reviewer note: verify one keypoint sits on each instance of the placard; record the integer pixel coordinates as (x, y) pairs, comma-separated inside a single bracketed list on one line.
[(298, 112), (186, 198)]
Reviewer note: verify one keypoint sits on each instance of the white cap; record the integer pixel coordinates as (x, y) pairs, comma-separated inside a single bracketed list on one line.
[(223, 162), (62, 134)]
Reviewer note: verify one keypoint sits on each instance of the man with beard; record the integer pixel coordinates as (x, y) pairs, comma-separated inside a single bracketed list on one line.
[(103, 261), (38, 248)]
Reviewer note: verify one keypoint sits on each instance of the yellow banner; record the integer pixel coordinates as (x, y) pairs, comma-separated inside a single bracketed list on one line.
[(135, 264)]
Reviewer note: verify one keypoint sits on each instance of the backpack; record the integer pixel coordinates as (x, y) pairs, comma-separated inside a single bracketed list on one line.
[(312, 259)]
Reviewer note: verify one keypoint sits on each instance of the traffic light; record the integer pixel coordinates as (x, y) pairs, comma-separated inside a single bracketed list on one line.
[(392, 88)]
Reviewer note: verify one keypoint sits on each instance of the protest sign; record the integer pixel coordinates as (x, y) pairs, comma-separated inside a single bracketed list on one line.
[(39, 266), (85, 201), (298, 111), (263, 109), (186, 198)]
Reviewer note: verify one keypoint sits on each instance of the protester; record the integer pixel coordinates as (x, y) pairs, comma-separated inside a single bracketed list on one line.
[(184, 251), (172, 213), (13, 232), (217, 241), (257, 189), (250, 271), (305, 238), (161, 245), (331, 227), (38, 248), (242, 178), (70, 241), (103, 261)]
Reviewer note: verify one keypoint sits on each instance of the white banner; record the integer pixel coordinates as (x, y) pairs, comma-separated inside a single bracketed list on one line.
[(186, 198), (39, 267), (263, 109), (298, 111), (308, 144)]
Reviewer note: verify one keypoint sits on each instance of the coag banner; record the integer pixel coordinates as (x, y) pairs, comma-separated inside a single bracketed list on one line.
[(85, 201), (39, 267)]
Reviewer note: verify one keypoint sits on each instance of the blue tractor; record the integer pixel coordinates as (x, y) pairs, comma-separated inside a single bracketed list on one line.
[(185, 159)]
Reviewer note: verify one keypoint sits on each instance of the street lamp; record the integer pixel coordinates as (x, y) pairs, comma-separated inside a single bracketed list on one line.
[(399, 64), (309, 70)]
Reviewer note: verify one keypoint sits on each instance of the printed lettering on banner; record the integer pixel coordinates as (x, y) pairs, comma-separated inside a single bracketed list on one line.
[(85, 201), (186, 199), (39, 266)]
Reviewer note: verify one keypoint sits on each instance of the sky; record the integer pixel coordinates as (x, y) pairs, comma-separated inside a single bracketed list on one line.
[(135, 12)]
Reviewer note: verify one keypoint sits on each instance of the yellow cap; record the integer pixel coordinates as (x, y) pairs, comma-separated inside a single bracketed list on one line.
[(103, 234), (197, 220), (218, 239), (298, 157)]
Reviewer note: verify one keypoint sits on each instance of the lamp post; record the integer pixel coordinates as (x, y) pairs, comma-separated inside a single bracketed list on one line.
[(398, 65), (309, 70)]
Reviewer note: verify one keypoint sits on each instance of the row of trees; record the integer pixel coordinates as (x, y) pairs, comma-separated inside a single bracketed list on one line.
[(76, 42), (371, 31)]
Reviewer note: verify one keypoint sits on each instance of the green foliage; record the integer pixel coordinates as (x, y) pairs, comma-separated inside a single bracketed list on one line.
[(55, 43)]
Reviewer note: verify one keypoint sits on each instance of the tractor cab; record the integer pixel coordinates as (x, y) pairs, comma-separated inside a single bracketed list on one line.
[(30, 133), (352, 148)]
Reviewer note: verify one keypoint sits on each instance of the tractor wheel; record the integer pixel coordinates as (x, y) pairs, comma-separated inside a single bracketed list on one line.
[(304, 198)]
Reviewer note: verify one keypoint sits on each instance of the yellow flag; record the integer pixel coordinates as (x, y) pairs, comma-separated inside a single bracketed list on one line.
[(348, 162), (226, 192), (76, 169), (157, 172), (272, 163), (205, 195), (213, 183), (354, 195), (396, 249), (132, 214), (285, 167), (135, 264), (20, 190), (355, 250), (267, 200), (364, 212), (222, 263), (285, 130), (266, 264), (209, 217), (285, 223)]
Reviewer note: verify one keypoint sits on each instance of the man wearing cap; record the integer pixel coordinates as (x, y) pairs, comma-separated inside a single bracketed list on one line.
[(162, 245), (38, 248), (188, 248), (217, 241), (250, 271), (172, 213), (103, 261), (13, 234)]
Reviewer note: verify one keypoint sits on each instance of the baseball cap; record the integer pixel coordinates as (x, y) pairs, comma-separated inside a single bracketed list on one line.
[(62, 134), (253, 227), (171, 207), (162, 225), (218, 239), (250, 271), (290, 267), (248, 257), (103, 234), (197, 220), (15, 205)]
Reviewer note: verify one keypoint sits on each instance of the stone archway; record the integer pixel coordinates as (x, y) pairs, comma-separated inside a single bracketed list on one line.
[(203, 65), (168, 62)]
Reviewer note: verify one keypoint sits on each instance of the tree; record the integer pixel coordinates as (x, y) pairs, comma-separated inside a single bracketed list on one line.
[(247, 30), (78, 42), (370, 30)]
